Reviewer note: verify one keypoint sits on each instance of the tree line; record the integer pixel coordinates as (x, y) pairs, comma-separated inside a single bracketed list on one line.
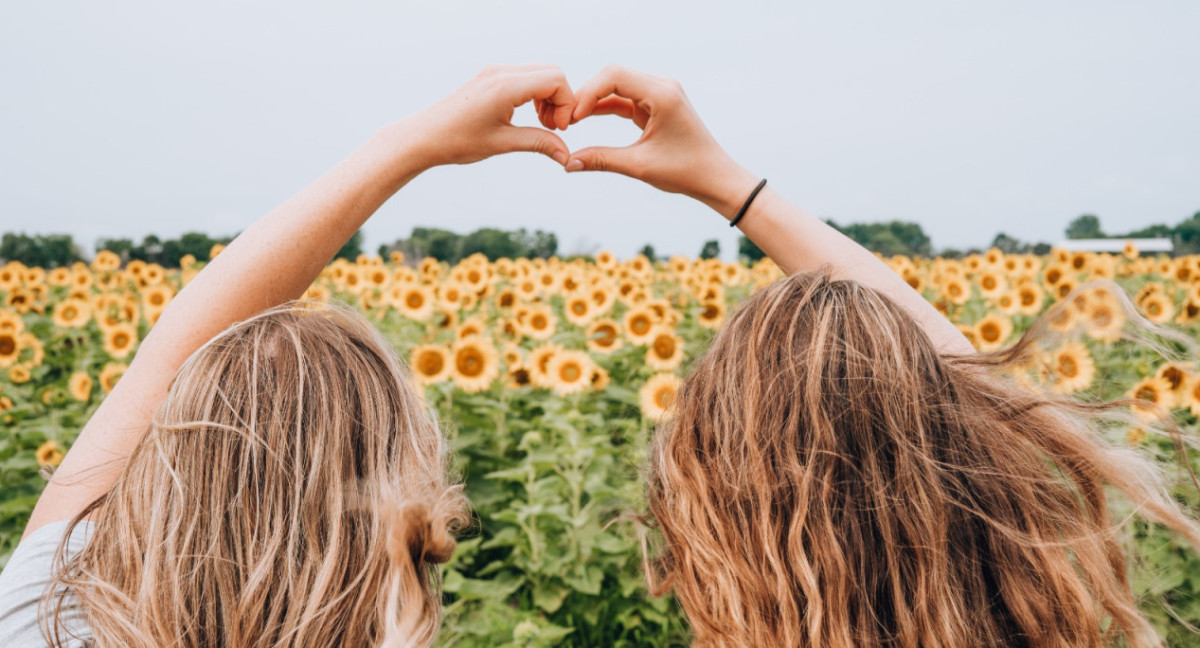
[(887, 238)]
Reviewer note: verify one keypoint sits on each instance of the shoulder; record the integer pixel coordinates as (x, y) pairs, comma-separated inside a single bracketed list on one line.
[(26, 577)]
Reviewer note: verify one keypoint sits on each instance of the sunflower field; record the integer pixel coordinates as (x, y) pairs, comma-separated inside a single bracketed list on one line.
[(548, 376)]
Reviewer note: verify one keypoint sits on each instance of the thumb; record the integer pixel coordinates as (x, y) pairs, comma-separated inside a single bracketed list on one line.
[(534, 140), (603, 158)]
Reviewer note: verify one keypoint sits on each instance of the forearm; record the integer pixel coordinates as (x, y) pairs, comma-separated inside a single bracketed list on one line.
[(798, 241)]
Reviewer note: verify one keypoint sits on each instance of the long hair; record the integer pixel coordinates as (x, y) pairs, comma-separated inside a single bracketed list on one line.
[(829, 479), (291, 491)]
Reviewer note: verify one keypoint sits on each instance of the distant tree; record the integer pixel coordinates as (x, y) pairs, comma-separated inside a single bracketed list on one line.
[(1040, 248), (648, 252), (1187, 235), (711, 249), (538, 245), (1086, 226), (492, 243), (352, 247), (121, 247), (748, 250), (1008, 244), (41, 250), (888, 238)]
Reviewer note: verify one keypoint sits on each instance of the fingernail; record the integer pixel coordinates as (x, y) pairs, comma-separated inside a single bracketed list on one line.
[(575, 165), (560, 157)]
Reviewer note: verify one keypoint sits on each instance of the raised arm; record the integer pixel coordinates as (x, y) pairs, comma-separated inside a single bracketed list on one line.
[(676, 153), (276, 258)]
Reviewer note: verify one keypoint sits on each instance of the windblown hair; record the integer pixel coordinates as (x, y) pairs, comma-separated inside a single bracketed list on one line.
[(291, 491), (829, 479)]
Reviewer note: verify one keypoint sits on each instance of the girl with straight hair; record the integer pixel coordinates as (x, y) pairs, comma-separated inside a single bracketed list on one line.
[(265, 474), (841, 469)]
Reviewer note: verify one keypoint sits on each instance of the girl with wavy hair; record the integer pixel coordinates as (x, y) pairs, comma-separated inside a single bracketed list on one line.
[(265, 474), (841, 469)]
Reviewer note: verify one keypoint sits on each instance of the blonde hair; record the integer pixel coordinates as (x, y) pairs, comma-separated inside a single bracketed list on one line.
[(829, 479), (291, 491)]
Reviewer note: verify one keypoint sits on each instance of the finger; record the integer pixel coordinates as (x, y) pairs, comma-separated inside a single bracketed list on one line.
[(534, 140), (550, 85), (622, 107), (539, 107), (629, 84), (546, 115), (621, 160)]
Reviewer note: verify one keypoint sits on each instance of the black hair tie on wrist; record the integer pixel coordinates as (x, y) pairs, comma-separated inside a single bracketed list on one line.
[(746, 205)]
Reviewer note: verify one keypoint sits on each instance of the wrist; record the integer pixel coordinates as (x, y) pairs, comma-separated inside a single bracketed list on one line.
[(726, 188), (407, 147)]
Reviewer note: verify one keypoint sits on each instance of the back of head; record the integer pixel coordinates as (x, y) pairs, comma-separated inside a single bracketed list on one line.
[(290, 492), (829, 479)]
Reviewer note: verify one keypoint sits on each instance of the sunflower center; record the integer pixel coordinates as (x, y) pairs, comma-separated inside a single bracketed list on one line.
[(7, 345), (414, 300), (640, 325), (1068, 367), (432, 364), (470, 363), (578, 307), (990, 332), (570, 372), (664, 397), (605, 336), (664, 346)]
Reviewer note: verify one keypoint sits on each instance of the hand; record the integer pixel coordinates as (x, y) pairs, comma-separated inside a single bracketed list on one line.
[(475, 122), (675, 153)]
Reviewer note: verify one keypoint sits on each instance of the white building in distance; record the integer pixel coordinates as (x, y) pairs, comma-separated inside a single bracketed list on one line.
[(1117, 245)]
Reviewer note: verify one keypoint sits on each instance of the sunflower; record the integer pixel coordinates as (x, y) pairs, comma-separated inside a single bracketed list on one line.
[(10, 348), (1176, 375), (19, 375), (1104, 319), (106, 260), (1072, 368), (1189, 312), (991, 283), (1158, 308), (156, 297), (665, 351), (11, 322), (1029, 299), (992, 331), (957, 290), (120, 339), (539, 322), (317, 293), (1149, 395), (506, 298), (48, 454), (604, 336), (80, 386), (110, 374), (1006, 302), (476, 364), (471, 326), (578, 309), (1191, 396), (600, 378), (1130, 250), (72, 313), (539, 362), (517, 376), (639, 324), (430, 363), (657, 395), (570, 372), (712, 315)]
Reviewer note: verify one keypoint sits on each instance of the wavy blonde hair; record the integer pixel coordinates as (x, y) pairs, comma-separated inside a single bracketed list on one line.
[(291, 491), (829, 479)]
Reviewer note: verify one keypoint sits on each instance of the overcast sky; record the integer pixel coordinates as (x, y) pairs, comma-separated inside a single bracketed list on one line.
[(125, 118)]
